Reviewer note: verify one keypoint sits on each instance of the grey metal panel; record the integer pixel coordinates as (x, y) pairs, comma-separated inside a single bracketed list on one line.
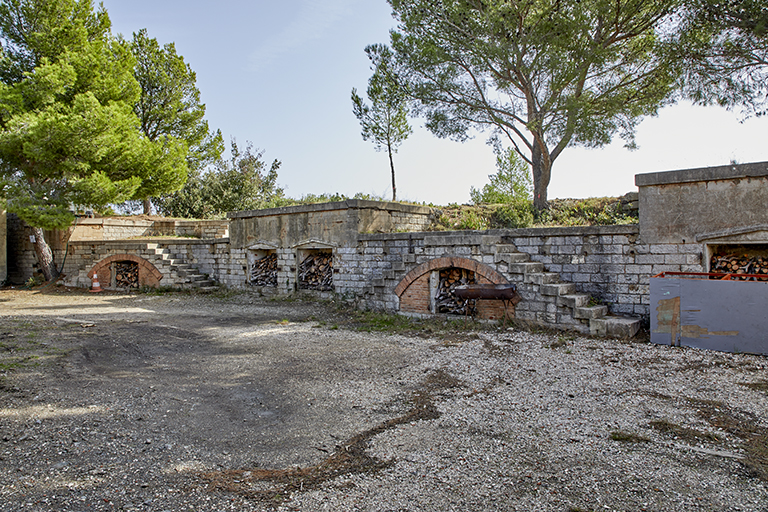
[(665, 311), (729, 316)]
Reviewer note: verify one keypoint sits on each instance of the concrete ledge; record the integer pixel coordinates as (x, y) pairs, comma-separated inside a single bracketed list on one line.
[(725, 172), (351, 204), (624, 229), (139, 243)]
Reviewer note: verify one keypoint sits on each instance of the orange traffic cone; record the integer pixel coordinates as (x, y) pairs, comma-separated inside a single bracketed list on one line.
[(95, 286)]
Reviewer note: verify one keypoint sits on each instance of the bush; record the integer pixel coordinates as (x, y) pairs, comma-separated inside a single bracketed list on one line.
[(518, 214), (473, 220), (595, 211)]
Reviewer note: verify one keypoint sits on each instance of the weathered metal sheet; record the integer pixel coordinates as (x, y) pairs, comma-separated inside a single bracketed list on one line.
[(729, 316)]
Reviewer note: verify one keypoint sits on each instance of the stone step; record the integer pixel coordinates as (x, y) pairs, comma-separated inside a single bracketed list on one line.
[(526, 268), (590, 312), (517, 257), (558, 289), (505, 248), (576, 300), (542, 278), (615, 326)]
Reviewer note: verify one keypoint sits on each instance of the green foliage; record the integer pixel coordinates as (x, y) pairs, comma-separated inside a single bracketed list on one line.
[(521, 214), (169, 105), (241, 183), (595, 211), (472, 220), (518, 214), (66, 119), (545, 75), (384, 121), (725, 51), (511, 183)]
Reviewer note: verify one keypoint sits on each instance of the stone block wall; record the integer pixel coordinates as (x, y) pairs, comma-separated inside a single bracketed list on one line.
[(609, 263), (204, 229), (127, 228), (176, 261), (216, 258)]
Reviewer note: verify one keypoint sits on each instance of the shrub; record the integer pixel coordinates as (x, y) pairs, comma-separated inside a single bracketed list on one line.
[(518, 214)]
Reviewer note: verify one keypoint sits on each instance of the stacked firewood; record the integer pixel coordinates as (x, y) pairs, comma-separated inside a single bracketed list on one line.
[(316, 272), (264, 271), (739, 264), (126, 274), (446, 301)]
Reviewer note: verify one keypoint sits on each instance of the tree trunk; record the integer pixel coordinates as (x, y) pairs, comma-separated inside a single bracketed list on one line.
[(392, 166), (44, 255), (541, 175), (147, 206)]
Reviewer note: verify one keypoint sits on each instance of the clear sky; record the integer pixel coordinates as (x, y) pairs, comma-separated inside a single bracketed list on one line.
[(279, 74)]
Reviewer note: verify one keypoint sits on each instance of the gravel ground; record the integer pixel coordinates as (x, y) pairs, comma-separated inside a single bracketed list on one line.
[(171, 403)]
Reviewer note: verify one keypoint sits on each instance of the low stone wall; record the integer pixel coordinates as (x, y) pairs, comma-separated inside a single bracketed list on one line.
[(608, 262), (126, 228), (174, 259), (204, 229), (611, 263)]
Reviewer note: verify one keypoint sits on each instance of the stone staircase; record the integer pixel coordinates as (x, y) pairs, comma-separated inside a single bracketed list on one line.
[(546, 300), (183, 275)]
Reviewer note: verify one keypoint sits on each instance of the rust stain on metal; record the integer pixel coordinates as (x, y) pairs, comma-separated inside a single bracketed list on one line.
[(668, 314), (694, 331)]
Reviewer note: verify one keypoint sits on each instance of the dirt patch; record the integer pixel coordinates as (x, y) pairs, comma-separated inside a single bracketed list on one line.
[(351, 457), (213, 403)]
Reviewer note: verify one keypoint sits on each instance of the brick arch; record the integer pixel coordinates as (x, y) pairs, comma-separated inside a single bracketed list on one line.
[(148, 273), (448, 262)]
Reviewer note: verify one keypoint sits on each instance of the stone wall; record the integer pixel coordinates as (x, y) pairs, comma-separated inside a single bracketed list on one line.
[(22, 262), (609, 263), (333, 224), (383, 258), (126, 228), (169, 263)]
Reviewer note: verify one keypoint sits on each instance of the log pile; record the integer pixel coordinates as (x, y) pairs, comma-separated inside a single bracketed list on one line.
[(264, 271), (446, 301), (739, 264), (316, 272), (126, 274)]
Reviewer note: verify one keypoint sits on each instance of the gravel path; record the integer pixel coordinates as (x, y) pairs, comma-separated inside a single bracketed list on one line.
[(171, 403)]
